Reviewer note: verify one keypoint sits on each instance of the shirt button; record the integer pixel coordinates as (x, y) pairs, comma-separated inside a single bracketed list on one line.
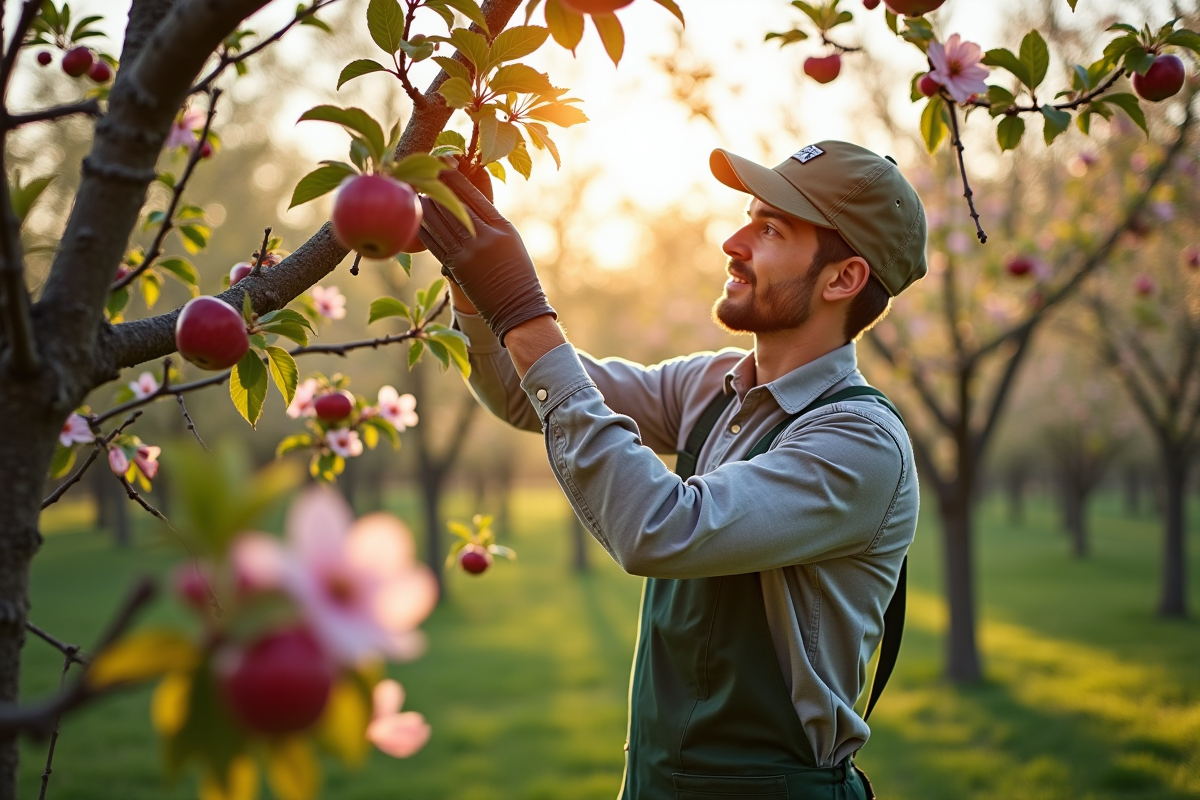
[(627, 747), (735, 428), (542, 395)]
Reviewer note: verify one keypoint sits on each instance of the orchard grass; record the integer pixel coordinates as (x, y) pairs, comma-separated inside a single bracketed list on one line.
[(1087, 694)]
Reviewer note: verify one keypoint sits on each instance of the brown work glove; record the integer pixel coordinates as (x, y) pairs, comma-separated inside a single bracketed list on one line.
[(492, 267)]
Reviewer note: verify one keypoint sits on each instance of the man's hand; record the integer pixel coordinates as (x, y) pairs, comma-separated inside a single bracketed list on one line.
[(492, 267)]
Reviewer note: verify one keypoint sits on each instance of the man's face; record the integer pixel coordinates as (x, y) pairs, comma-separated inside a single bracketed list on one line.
[(770, 285)]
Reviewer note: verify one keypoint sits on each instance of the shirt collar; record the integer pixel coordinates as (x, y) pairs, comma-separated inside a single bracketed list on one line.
[(800, 387)]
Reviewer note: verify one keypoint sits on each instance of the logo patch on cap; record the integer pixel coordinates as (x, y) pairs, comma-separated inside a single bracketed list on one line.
[(808, 154)]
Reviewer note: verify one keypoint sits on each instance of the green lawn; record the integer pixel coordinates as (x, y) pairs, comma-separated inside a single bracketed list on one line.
[(1087, 695)]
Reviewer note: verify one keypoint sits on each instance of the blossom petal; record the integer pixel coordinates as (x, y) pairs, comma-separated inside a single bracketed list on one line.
[(259, 562), (399, 735), (317, 523), (381, 545), (403, 604), (387, 698)]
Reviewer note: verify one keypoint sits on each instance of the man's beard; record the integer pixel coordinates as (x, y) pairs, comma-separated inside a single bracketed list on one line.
[(787, 305)]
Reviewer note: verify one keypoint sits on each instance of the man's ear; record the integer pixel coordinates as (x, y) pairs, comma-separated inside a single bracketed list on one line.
[(846, 279)]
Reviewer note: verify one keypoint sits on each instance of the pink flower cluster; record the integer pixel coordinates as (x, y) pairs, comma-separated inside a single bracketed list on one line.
[(956, 67)]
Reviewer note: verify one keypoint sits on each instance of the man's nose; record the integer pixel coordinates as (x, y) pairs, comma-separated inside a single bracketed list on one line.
[(736, 246)]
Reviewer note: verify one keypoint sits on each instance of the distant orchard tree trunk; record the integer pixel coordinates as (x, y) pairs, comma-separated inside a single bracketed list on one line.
[(579, 542), (1173, 602), (1133, 491), (1014, 490)]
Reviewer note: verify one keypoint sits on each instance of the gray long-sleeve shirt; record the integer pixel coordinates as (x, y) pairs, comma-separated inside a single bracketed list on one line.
[(825, 516)]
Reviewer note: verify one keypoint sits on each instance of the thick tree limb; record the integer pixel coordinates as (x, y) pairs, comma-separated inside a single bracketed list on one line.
[(143, 340), (90, 108)]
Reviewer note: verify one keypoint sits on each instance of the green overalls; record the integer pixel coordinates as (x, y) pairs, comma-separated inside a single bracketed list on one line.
[(710, 714)]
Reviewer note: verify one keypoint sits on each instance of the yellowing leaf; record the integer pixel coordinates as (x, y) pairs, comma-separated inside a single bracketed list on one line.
[(457, 92), (566, 24), (611, 34), (248, 386), (342, 728), (141, 656), (292, 769), (169, 706), (241, 783)]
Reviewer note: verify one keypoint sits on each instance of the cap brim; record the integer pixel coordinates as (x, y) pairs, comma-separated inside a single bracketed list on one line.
[(765, 184)]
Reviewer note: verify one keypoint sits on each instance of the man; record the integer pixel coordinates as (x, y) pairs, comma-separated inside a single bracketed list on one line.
[(773, 551)]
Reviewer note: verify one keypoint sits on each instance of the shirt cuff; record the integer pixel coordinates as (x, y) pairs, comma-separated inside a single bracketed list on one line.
[(553, 378), (480, 338)]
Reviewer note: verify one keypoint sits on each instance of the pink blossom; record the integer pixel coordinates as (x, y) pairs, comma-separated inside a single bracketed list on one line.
[(144, 386), (330, 302), (185, 130), (344, 442), (302, 401), (398, 409), (118, 460), (147, 460), (395, 733), (358, 584), (956, 67), (958, 242), (75, 429)]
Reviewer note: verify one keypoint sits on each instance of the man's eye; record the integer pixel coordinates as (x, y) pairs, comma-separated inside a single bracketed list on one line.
[(770, 229)]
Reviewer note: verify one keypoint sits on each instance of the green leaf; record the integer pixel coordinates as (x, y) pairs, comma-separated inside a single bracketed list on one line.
[(456, 345), (182, 269), (414, 352), (405, 261), (1009, 132), (1035, 55), (999, 99), (23, 197), (248, 386), (64, 459), (473, 46), (436, 190), (566, 25), (454, 68), (195, 237), (385, 22), (519, 78), (452, 138), (297, 441), (284, 371), (933, 125), (496, 139), (1138, 60), (419, 49), (673, 7), (439, 352), (1057, 121), (352, 119), (787, 37), (288, 330), (358, 68), (114, 306), (516, 43), (384, 307), (285, 315), (1114, 50), (320, 181), (470, 10), (457, 93), (387, 429), (1004, 59), (611, 34), (1185, 38), (418, 167), (520, 161), (1130, 105), (560, 114)]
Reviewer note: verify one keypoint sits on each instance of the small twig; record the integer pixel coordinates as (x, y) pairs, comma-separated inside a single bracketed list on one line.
[(90, 108), (62, 681), (839, 47), (29, 12), (962, 169), (40, 719), (168, 224), (191, 426), (69, 651), (262, 252), (345, 347), (99, 447), (1068, 105), (227, 60)]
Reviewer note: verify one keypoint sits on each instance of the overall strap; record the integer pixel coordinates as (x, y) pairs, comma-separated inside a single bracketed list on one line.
[(685, 464), (893, 616)]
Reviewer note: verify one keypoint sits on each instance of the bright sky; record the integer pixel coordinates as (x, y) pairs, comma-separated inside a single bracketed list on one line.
[(645, 149)]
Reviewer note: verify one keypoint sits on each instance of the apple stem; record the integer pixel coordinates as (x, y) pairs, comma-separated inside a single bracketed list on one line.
[(962, 170), (262, 252), (354, 266)]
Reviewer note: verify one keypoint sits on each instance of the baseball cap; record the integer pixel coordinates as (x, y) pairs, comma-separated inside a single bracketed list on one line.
[(848, 188)]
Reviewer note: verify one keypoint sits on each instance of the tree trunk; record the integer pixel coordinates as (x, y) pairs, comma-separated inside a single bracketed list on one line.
[(579, 537), (431, 503), (1014, 485), (1076, 502), (1173, 602), (962, 651), (1133, 492)]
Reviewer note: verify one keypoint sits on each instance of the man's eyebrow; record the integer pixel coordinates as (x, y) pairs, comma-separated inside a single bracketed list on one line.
[(771, 213)]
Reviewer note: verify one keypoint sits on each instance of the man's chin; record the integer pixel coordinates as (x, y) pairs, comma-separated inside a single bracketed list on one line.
[(730, 317)]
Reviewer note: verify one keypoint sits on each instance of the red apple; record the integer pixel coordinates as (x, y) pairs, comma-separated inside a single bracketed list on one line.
[(44, 58), (206, 149), (595, 6), (239, 271), (279, 684), (1144, 285), (376, 215), (928, 86), (77, 61), (100, 72), (334, 406), (823, 69), (913, 8), (211, 334), (1020, 266), (475, 559), (1164, 79), (870, 5)]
